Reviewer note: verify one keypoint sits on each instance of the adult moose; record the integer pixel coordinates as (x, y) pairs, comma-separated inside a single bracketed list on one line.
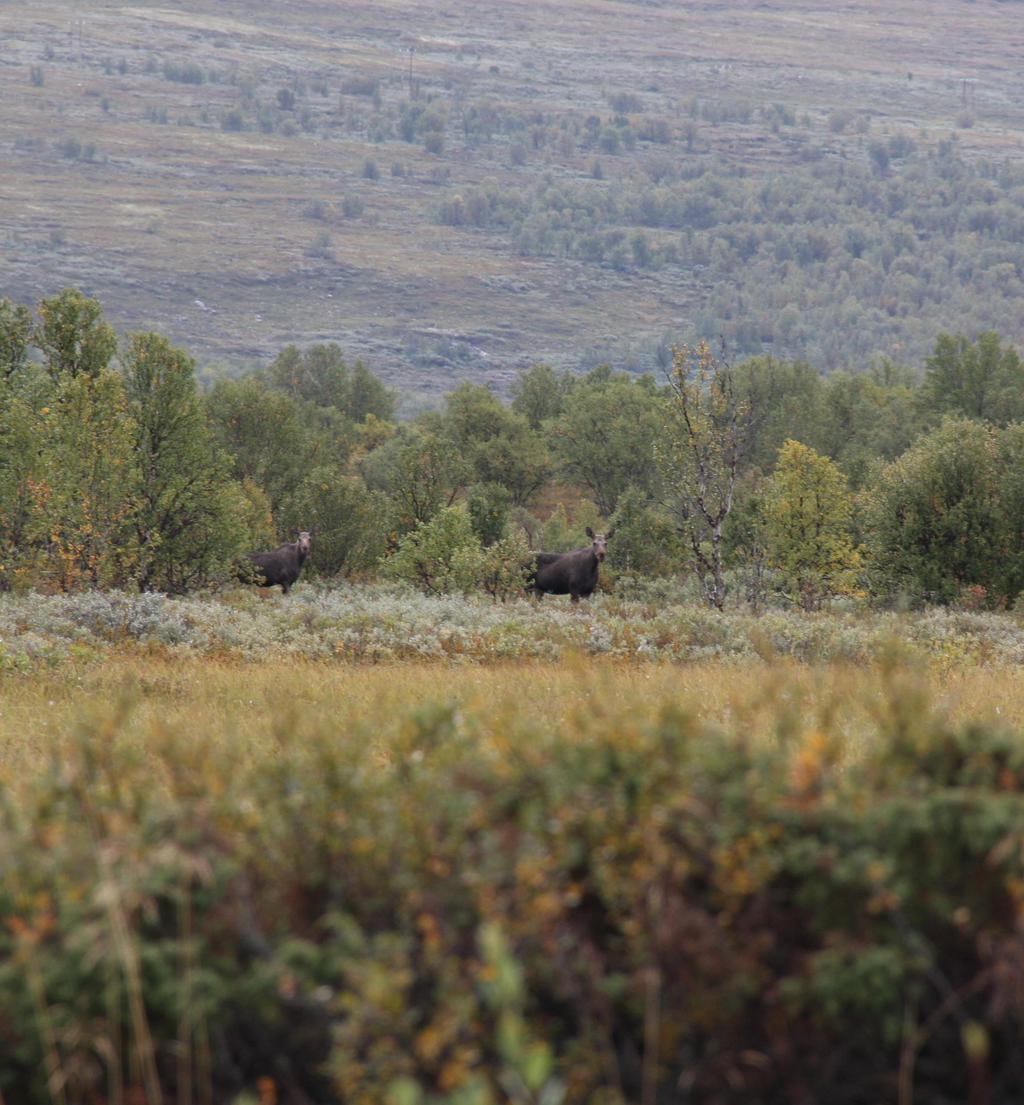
[(572, 573), (281, 566)]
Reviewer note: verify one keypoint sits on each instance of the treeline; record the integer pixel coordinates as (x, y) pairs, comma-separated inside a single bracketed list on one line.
[(765, 480)]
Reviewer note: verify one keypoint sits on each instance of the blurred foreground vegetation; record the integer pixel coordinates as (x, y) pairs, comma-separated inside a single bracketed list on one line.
[(302, 883)]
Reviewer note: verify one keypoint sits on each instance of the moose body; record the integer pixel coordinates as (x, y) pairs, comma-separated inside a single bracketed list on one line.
[(573, 573), (280, 566)]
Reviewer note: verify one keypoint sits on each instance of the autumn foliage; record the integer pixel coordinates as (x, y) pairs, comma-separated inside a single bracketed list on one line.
[(627, 906)]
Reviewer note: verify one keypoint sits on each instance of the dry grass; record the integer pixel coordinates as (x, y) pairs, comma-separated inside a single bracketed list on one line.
[(247, 704)]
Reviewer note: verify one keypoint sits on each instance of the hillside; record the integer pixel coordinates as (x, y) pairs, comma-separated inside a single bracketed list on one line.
[(459, 190)]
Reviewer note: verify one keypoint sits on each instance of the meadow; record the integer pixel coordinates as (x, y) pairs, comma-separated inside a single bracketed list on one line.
[(360, 845)]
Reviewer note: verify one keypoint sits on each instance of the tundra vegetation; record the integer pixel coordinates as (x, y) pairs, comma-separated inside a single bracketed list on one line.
[(408, 835)]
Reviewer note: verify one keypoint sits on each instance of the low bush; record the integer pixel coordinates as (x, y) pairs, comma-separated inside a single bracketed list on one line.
[(642, 620)]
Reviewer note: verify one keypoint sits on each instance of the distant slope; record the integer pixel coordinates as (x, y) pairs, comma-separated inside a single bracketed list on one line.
[(460, 190)]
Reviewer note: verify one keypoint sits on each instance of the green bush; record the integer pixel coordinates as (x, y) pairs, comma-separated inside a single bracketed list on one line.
[(345, 519), (488, 505), (440, 555), (943, 516)]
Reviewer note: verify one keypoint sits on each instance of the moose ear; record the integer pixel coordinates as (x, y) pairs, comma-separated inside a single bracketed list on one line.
[(610, 534), (590, 533)]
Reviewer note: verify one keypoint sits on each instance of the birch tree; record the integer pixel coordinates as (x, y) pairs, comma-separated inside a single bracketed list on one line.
[(707, 430)]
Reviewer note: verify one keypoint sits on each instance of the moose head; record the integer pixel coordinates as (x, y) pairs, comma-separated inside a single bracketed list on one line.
[(600, 542)]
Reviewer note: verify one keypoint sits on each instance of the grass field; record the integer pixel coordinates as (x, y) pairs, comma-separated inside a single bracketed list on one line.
[(247, 704)]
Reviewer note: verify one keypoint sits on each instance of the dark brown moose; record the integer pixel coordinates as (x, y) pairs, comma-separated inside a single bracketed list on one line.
[(281, 566), (572, 573)]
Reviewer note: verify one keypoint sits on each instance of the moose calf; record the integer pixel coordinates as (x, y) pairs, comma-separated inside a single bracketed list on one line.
[(282, 566), (572, 573)]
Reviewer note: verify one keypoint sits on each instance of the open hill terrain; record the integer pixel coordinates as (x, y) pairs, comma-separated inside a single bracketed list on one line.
[(459, 190)]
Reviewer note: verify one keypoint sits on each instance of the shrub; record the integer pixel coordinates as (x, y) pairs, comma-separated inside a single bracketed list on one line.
[(488, 505), (347, 522), (70, 148), (360, 86), (320, 247), (232, 120), (808, 515), (314, 209), (505, 567), (645, 542), (940, 518), (184, 72), (440, 555)]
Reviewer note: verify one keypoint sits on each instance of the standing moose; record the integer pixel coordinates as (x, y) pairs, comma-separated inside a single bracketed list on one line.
[(282, 565), (572, 573)]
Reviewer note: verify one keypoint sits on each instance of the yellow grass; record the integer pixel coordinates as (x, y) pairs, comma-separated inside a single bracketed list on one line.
[(250, 703)]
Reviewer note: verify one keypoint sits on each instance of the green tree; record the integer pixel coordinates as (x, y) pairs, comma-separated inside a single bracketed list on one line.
[(746, 540), (265, 434), (488, 505), (981, 379), (15, 337), (86, 492), (24, 407), (368, 397), (1009, 540), (349, 523), (785, 401), (605, 439), (646, 542), (808, 514), (440, 555), (420, 470), (539, 394), (188, 527), (934, 516), (497, 443), (73, 337), (861, 420), (321, 376), (854, 419)]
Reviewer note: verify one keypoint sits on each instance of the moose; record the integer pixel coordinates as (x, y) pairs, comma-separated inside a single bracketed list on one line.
[(572, 573), (281, 566)]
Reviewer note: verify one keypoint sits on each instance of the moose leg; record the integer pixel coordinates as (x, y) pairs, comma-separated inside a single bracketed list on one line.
[(575, 597)]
